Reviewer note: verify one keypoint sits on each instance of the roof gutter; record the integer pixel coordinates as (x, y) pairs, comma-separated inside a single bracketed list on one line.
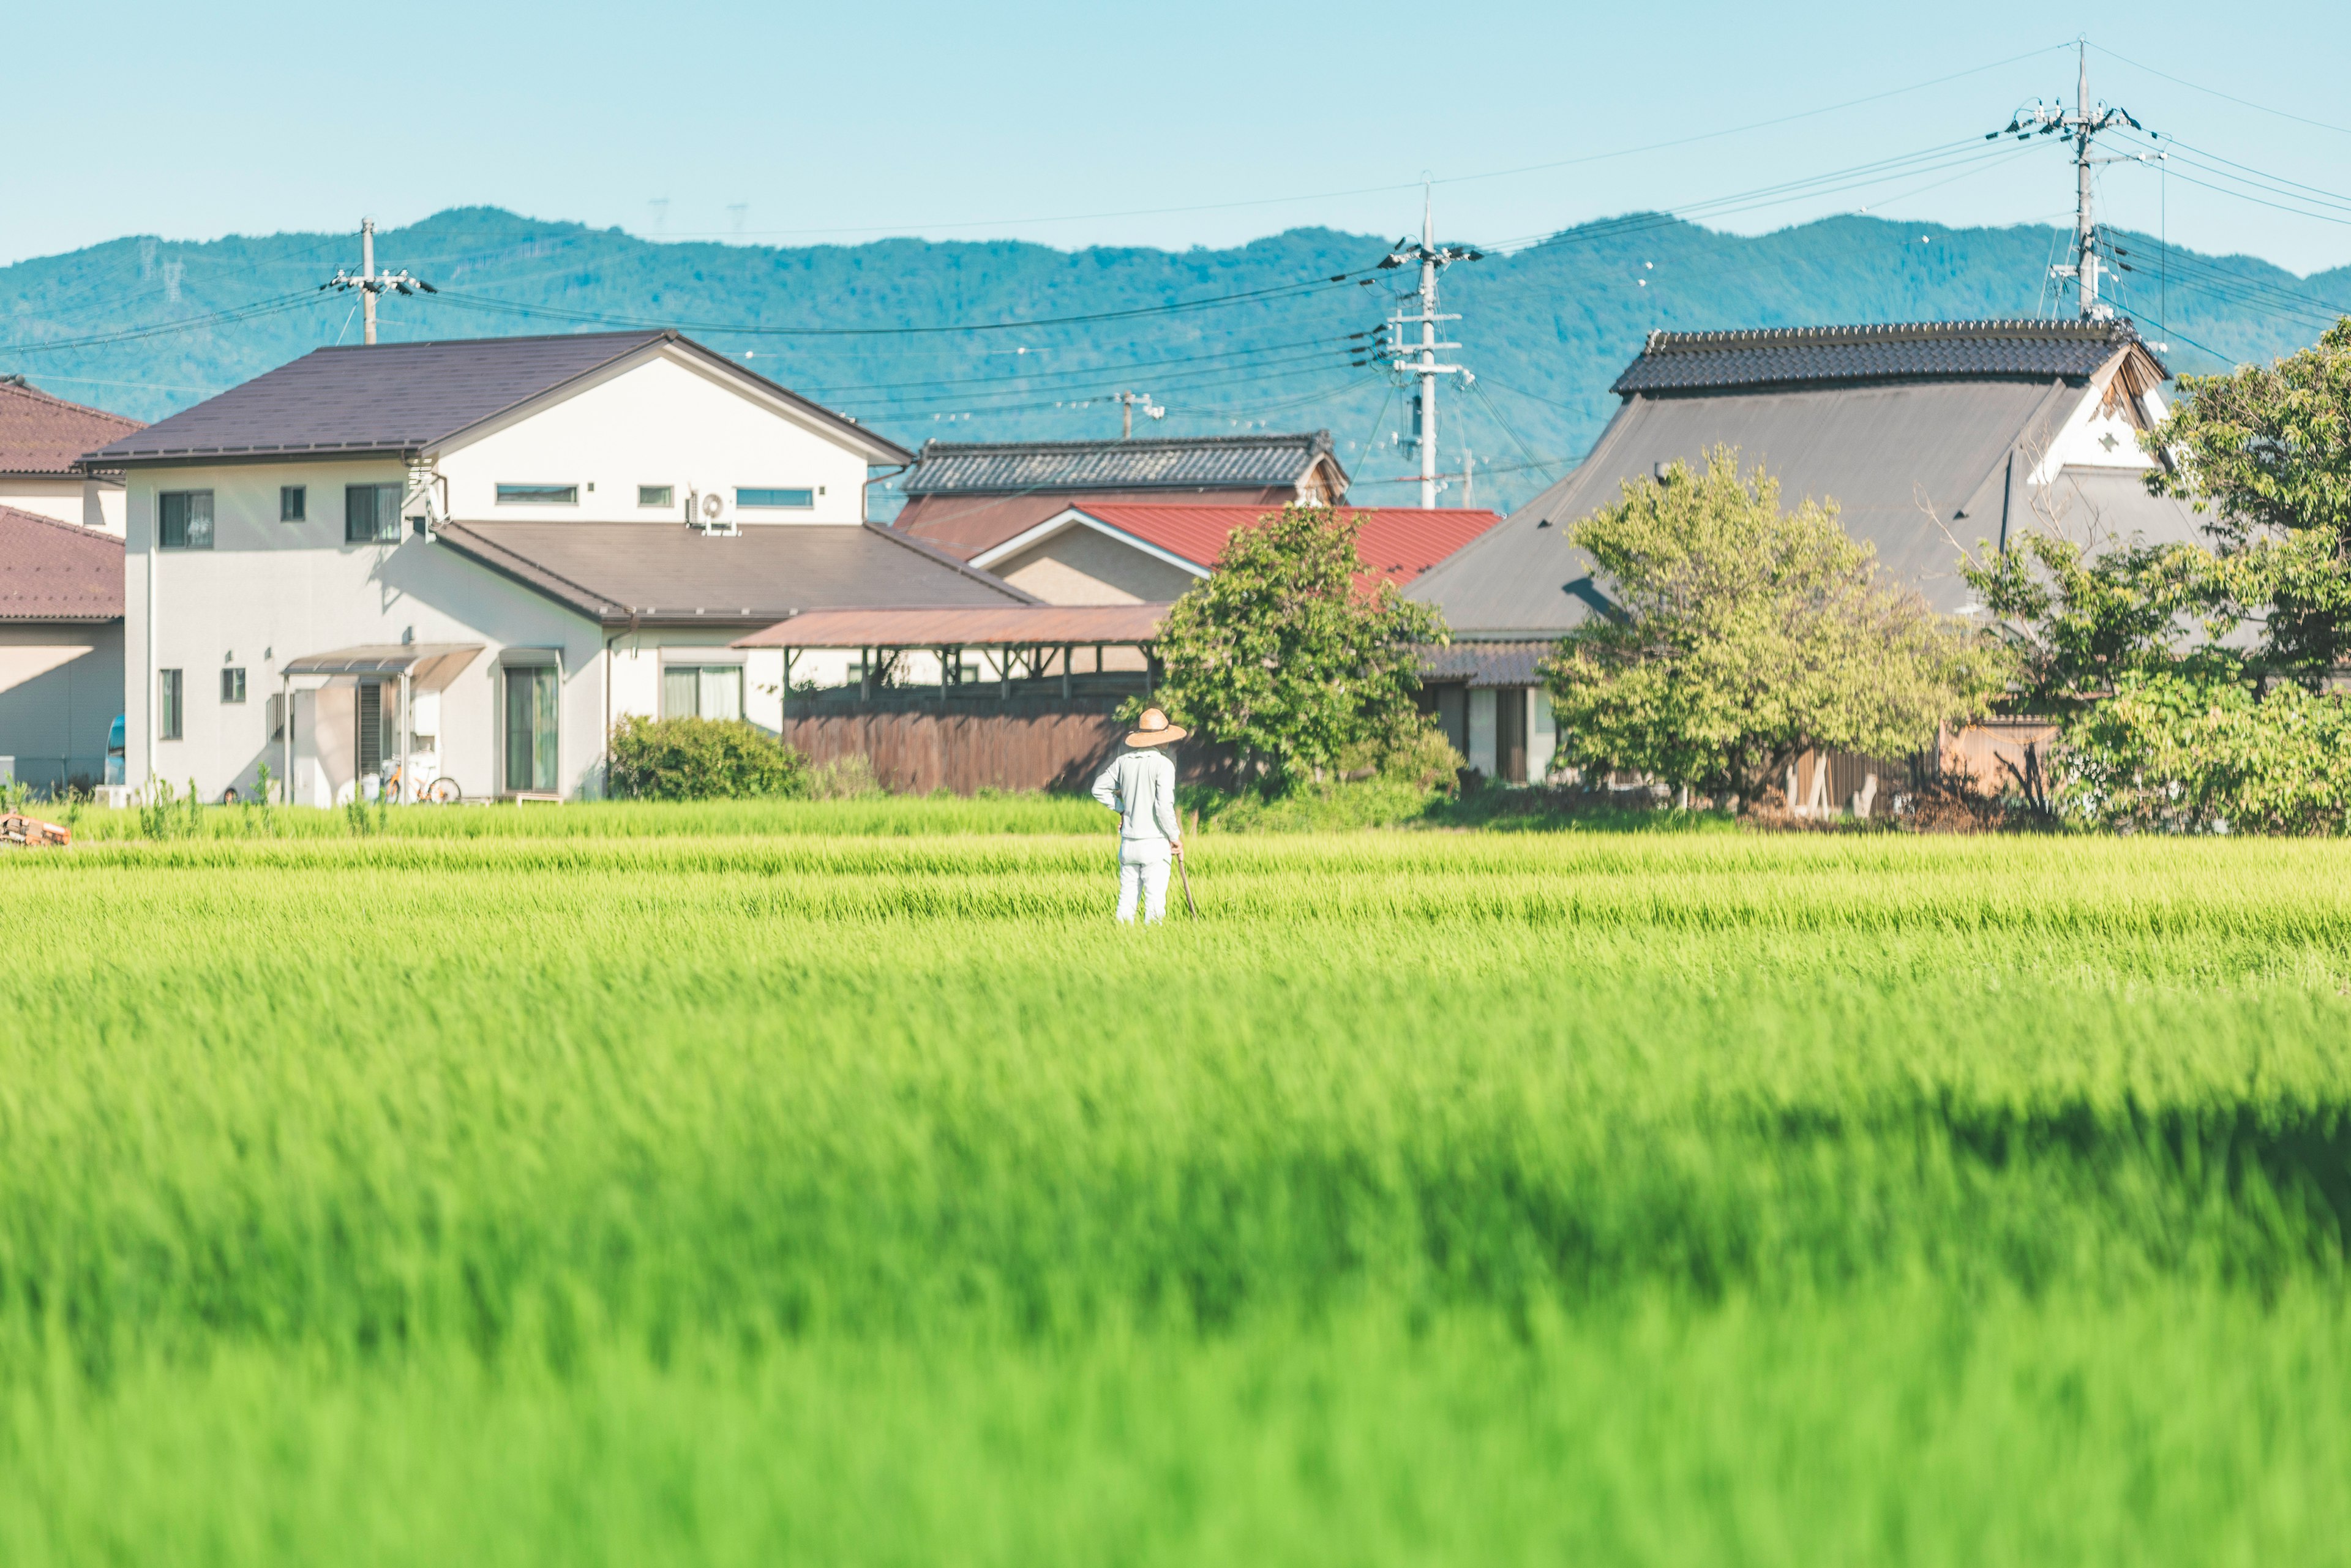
[(93, 465)]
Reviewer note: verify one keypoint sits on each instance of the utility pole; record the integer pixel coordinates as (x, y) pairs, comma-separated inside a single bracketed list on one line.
[(2080, 125), (1126, 402), (1416, 362), (369, 282)]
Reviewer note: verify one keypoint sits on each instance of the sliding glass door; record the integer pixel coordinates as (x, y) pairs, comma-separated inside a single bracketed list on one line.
[(531, 694)]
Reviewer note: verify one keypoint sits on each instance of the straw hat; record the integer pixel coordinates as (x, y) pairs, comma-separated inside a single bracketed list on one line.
[(1153, 729)]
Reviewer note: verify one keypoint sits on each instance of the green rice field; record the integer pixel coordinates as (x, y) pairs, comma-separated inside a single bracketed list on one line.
[(833, 1183)]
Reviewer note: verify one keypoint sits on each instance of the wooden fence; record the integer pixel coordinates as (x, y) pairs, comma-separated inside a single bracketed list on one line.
[(914, 751), (977, 739)]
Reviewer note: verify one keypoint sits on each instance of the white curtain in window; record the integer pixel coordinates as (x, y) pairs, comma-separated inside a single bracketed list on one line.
[(721, 691)]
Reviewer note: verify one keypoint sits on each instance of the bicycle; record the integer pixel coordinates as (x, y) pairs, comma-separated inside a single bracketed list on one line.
[(442, 791)]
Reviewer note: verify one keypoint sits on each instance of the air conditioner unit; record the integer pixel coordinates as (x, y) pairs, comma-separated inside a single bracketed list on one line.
[(711, 511)]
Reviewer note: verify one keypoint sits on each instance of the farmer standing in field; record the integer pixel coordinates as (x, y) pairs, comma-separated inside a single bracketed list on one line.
[(1141, 788)]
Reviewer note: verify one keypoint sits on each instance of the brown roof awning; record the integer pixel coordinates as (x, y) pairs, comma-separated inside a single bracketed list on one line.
[(429, 665), (1010, 625)]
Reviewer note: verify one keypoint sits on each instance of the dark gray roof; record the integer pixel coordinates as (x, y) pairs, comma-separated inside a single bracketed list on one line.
[(402, 397), (668, 574), (1918, 468), (2031, 350), (1209, 461)]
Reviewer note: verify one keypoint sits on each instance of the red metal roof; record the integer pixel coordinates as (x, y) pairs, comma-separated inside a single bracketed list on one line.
[(1396, 543), (44, 436), (994, 625), (51, 570)]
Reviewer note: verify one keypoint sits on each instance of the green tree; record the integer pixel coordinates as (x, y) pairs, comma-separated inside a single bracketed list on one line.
[(1744, 635), (2266, 452), (2078, 619), (1284, 655)]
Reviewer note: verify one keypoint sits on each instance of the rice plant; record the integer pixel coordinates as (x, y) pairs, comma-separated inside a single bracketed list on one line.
[(745, 1184)]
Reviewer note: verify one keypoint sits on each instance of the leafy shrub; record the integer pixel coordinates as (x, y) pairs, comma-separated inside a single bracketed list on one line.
[(2185, 753), (702, 759)]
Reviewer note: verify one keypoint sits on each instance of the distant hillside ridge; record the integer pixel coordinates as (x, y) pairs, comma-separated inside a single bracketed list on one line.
[(144, 327)]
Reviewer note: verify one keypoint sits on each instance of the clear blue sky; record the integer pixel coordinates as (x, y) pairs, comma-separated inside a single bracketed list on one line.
[(1161, 125)]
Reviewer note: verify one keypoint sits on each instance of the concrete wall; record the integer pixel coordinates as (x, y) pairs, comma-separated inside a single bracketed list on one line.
[(663, 421), (61, 687), (1082, 566)]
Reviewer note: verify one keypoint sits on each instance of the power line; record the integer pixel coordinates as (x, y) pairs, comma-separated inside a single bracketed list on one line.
[(459, 297), (232, 316), (2216, 92), (1384, 189), (830, 389)]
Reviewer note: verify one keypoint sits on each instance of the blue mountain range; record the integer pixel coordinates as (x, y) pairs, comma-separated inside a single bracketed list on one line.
[(999, 340)]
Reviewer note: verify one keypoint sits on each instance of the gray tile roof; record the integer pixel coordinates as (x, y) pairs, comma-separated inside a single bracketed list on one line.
[(667, 574), (1918, 468), (402, 397), (1685, 362), (1212, 461)]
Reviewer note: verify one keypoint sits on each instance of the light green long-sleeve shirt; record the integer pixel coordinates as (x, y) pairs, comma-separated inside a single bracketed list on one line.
[(1141, 788)]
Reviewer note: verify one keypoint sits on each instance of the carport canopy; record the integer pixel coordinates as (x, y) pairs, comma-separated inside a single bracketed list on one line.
[(430, 666), (990, 626)]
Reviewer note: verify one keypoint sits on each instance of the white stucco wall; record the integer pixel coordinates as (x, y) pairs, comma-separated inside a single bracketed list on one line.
[(269, 592), (1542, 735), (2091, 437), (61, 687), (91, 503), (1482, 729), (1080, 566), (667, 421)]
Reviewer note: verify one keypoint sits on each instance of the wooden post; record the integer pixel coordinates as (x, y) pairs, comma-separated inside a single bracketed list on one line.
[(1066, 650), (784, 696), (943, 680), (1004, 673)]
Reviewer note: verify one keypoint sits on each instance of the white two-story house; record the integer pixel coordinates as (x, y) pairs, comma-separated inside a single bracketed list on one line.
[(468, 560)]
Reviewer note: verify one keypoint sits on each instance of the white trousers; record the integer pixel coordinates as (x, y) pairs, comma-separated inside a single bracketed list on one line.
[(1143, 866)]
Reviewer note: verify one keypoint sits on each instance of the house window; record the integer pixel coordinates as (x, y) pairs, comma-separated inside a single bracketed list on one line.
[(702, 690), (293, 503), (531, 727), (167, 705), (655, 495), (231, 685), (370, 514), (792, 499), (184, 519), (538, 495)]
